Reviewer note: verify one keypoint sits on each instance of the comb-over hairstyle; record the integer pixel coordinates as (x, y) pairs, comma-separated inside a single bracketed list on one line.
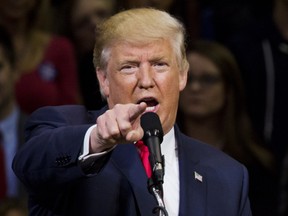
[(138, 26)]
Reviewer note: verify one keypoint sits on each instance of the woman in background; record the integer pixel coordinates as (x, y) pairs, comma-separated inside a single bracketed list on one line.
[(212, 109), (46, 62), (79, 19)]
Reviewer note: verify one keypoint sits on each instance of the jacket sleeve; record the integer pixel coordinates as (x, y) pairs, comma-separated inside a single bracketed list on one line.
[(54, 141)]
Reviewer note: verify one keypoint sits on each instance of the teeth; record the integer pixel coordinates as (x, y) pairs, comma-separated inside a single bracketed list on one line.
[(149, 109)]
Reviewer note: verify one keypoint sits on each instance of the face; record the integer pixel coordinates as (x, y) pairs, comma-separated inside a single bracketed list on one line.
[(16, 9), (87, 14), (7, 79), (148, 73), (204, 94)]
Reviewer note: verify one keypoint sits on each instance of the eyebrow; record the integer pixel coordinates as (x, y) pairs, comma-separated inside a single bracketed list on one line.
[(136, 60)]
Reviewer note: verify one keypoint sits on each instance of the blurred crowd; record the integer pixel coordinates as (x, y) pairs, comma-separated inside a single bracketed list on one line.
[(234, 98)]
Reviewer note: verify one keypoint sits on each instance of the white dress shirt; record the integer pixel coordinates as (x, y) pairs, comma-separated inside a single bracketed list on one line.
[(171, 175)]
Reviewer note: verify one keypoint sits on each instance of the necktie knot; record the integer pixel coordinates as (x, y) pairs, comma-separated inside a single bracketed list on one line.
[(141, 146)]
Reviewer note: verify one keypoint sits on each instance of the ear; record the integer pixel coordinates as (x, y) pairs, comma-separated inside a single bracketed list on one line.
[(183, 76), (103, 82)]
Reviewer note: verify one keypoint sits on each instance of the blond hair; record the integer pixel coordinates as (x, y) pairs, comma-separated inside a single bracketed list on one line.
[(140, 25)]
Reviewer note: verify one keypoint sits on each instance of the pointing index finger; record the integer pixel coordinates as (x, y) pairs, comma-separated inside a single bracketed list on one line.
[(136, 111)]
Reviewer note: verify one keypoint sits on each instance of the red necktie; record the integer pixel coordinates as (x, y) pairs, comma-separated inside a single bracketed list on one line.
[(144, 155), (2, 170)]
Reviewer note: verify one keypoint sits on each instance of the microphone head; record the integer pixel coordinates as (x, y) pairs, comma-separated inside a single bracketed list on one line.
[(150, 122)]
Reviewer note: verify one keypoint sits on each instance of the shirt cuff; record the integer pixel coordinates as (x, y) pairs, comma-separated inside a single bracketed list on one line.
[(85, 154)]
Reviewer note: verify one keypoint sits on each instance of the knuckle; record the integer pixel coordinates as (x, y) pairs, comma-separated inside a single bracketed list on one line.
[(125, 128)]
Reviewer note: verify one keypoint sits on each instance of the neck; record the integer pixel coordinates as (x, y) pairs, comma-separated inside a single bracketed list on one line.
[(204, 129), (280, 16)]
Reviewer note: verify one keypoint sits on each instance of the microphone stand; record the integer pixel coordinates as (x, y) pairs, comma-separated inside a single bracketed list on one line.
[(155, 187), (161, 207), (153, 136)]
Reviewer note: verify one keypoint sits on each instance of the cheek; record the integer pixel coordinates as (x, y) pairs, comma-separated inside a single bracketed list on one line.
[(121, 90), (171, 100), (217, 99), (171, 89)]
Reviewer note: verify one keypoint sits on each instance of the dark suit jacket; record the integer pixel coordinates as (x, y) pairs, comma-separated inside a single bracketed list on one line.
[(117, 184), (21, 140)]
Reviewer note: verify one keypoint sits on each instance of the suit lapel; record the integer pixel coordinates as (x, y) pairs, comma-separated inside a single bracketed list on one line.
[(193, 184), (193, 191), (126, 158)]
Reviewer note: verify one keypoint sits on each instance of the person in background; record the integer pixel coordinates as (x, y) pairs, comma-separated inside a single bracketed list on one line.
[(212, 109), (87, 163), (261, 50), (13, 207), (11, 120), (187, 11), (80, 18), (46, 62)]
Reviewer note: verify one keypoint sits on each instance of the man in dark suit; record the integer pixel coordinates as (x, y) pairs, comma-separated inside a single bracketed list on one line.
[(85, 163)]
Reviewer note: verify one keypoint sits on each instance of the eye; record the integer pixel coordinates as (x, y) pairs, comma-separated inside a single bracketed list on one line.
[(160, 66), (209, 79), (128, 69)]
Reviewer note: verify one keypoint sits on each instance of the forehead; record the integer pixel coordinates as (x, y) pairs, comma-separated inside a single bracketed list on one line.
[(157, 48), (201, 64)]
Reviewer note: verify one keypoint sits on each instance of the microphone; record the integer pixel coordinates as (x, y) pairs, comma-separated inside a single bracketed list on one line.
[(153, 137)]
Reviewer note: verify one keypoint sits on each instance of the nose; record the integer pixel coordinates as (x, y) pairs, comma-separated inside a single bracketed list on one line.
[(146, 76), (195, 85)]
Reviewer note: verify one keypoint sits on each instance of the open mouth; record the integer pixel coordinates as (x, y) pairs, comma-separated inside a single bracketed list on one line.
[(152, 104)]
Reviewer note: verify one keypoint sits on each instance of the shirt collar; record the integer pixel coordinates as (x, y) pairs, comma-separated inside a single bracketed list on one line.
[(168, 146)]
